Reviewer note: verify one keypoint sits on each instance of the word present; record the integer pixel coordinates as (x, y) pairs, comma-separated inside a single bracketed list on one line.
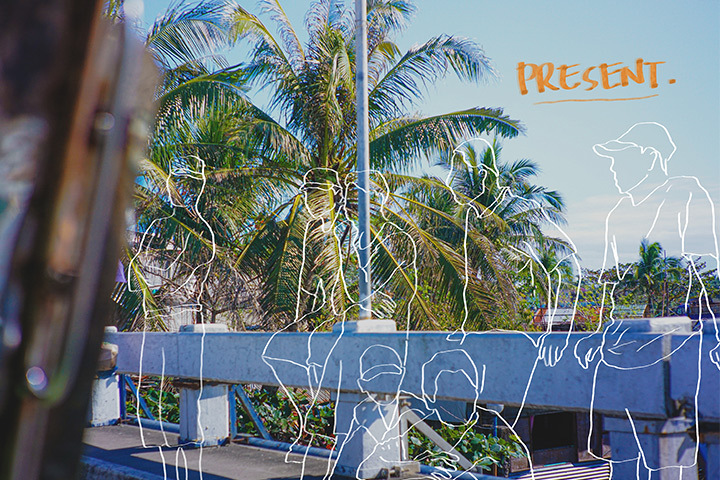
[(569, 77)]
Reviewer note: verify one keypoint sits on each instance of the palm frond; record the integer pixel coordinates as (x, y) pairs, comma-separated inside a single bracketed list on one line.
[(406, 81), (386, 18), (399, 144), (269, 60), (287, 32), (189, 84), (183, 35)]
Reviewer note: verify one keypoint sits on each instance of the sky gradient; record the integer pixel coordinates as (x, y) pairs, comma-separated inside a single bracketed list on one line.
[(559, 136)]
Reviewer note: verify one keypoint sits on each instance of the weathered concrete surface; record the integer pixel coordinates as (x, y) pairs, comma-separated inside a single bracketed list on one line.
[(204, 415), (122, 445), (95, 469), (299, 359), (667, 448), (105, 404), (655, 369)]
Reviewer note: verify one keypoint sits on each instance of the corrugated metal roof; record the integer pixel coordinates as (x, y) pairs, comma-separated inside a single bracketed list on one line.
[(569, 471)]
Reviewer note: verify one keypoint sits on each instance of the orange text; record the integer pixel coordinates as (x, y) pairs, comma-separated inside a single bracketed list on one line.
[(569, 77)]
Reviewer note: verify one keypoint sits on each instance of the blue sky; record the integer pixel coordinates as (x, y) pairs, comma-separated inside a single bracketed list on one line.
[(559, 136)]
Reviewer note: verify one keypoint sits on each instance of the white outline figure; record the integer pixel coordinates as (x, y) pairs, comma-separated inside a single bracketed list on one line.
[(323, 296), (316, 362), (378, 364), (315, 369), (192, 294), (549, 354), (195, 297), (647, 188), (450, 362)]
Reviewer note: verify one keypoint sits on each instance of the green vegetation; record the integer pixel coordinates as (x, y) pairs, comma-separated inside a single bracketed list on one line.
[(279, 412), (161, 398), (655, 285), (263, 202), (483, 450), (496, 207)]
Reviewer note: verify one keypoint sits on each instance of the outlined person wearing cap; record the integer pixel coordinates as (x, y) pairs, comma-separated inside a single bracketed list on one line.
[(377, 416), (456, 369), (679, 209)]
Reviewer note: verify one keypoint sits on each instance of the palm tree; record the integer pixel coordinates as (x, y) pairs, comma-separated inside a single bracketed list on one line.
[(651, 274), (312, 93), (200, 99), (504, 209), (267, 175)]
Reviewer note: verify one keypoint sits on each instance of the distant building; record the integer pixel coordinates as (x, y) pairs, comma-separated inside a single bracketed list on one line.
[(692, 309), (560, 318)]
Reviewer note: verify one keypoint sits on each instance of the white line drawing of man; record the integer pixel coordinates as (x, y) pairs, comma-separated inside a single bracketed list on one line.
[(333, 217), (455, 367), (550, 349), (379, 366), (549, 354), (657, 203), (187, 292), (323, 202)]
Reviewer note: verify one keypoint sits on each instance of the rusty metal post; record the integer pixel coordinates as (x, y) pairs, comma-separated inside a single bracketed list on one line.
[(67, 86)]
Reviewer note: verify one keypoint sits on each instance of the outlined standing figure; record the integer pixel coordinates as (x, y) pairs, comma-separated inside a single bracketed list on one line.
[(185, 278), (501, 199), (550, 348), (651, 204), (323, 202), (326, 204)]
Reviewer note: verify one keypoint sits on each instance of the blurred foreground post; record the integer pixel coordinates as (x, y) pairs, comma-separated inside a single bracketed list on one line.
[(69, 88)]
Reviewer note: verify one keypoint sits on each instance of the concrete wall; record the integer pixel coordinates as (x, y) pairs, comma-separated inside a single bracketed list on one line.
[(507, 363)]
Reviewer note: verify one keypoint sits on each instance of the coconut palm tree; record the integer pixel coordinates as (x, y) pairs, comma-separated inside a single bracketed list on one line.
[(504, 208), (199, 100), (312, 94), (651, 275), (269, 171)]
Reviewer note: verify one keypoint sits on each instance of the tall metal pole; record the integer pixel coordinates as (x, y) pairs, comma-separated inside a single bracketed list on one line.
[(363, 159)]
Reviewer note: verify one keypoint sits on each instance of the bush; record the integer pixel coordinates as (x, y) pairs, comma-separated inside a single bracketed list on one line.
[(279, 413), (161, 397), (482, 450)]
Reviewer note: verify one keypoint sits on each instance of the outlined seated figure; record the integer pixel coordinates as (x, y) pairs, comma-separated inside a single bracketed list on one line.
[(677, 210), (454, 370), (375, 420), (492, 197)]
